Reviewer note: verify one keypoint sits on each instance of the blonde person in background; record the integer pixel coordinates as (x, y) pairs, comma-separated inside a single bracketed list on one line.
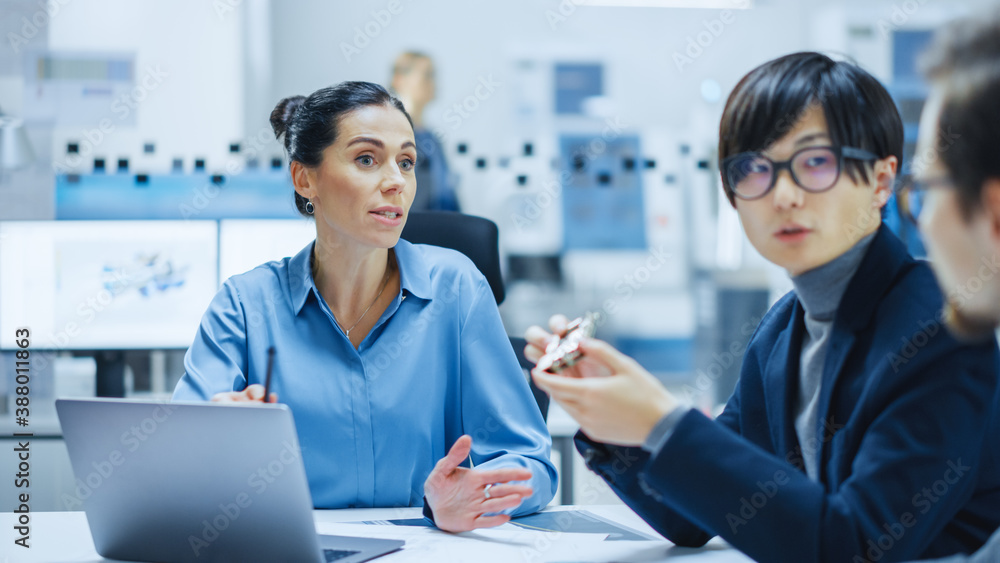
[(414, 84)]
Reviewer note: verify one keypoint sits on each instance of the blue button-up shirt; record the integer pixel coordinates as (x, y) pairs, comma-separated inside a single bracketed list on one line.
[(373, 421)]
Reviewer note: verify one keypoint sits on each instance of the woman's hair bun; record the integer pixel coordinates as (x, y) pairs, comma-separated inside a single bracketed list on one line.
[(282, 114)]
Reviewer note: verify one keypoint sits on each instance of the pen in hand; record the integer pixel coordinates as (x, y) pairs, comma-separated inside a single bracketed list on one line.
[(267, 379)]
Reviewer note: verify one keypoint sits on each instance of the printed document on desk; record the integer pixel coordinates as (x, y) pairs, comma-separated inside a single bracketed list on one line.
[(553, 521)]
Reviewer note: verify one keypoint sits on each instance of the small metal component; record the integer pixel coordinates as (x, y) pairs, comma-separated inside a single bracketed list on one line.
[(565, 352)]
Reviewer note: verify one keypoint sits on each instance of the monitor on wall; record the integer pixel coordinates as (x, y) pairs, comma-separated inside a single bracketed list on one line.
[(106, 285), (245, 244)]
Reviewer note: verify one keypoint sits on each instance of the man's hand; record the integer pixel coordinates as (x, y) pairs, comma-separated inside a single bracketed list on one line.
[(621, 408), (538, 339)]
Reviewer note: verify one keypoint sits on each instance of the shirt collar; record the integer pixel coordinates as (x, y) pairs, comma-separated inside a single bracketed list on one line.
[(821, 288), (414, 273), (300, 280)]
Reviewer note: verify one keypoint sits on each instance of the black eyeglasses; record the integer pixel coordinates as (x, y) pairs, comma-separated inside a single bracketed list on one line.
[(911, 193), (751, 175)]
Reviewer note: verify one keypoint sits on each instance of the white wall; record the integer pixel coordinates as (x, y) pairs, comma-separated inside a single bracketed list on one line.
[(228, 61), (641, 47), (197, 108), (472, 39), (469, 40)]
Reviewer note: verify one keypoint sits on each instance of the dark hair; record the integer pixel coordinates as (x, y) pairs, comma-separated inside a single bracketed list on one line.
[(964, 58), (769, 101), (309, 124)]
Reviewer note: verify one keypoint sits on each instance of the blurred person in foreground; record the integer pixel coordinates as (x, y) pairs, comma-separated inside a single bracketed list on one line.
[(954, 192)]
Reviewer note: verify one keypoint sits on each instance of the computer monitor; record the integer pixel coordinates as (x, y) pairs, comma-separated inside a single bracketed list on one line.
[(106, 285), (245, 244)]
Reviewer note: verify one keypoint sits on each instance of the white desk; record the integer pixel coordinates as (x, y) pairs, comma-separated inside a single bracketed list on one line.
[(64, 536)]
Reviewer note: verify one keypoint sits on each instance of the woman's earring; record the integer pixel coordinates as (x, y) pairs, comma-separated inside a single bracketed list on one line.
[(310, 207)]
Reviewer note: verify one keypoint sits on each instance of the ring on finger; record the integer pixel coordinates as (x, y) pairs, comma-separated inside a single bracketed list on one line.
[(486, 491)]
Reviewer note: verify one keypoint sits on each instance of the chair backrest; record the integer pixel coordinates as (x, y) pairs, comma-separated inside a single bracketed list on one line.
[(475, 237), (479, 239)]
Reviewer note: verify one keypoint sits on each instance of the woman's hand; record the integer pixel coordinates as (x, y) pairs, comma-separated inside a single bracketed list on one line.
[(619, 409), (457, 495), (252, 394)]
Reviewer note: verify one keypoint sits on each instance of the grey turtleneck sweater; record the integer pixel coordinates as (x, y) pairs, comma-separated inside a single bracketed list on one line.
[(820, 291)]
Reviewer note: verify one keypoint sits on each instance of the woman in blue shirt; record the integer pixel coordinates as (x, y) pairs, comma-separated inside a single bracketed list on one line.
[(387, 352)]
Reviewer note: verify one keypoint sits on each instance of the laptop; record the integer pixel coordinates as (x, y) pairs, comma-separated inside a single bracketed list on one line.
[(198, 482)]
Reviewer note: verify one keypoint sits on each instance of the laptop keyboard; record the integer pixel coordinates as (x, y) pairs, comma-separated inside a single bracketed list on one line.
[(335, 554)]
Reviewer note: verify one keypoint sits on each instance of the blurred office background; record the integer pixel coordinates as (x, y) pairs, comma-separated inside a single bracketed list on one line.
[(139, 170)]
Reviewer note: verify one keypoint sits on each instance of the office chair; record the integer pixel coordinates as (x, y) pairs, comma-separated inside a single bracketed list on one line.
[(479, 240)]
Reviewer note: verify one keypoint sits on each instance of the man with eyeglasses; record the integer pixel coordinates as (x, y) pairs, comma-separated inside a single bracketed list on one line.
[(860, 430), (954, 192)]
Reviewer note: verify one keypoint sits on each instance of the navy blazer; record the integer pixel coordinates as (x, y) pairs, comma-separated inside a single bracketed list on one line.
[(908, 436)]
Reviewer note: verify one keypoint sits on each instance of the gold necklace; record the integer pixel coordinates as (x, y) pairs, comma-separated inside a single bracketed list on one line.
[(385, 282)]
